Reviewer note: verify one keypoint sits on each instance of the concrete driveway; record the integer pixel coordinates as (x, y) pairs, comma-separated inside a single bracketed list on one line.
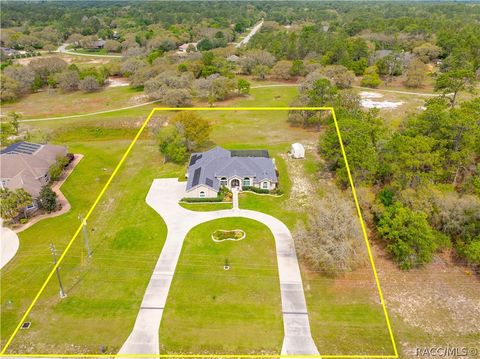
[(163, 197)]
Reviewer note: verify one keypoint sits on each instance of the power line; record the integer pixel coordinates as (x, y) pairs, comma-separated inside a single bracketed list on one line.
[(54, 254)]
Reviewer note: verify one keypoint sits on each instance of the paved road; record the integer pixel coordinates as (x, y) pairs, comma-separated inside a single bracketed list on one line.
[(359, 87), (63, 49), (399, 91), (87, 114), (253, 87), (163, 197), (9, 244)]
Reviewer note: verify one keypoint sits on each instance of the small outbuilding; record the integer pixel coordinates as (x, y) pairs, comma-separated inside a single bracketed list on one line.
[(297, 150)]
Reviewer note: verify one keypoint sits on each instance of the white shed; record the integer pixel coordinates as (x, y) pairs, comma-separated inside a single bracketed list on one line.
[(297, 151)]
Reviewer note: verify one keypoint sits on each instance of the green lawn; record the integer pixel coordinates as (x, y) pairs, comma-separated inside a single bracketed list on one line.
[(55, 104), (105, 292), (23, 276), (345, 316), (212, 310)]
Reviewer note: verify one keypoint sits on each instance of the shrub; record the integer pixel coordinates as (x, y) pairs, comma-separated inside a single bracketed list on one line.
[(472, 252), (370, 77), (89, 84), (256, 189), (412, 241), (48, 199), (332, 241), (199, 200), (56, 169), (222, 195), (67, 80), (70, 158)]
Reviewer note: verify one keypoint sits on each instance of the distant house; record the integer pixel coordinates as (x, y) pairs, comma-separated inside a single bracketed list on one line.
[(404, 57), (98, 44), (8, 52), (26, 165), (297, 150), (209, 171), (185, 47)]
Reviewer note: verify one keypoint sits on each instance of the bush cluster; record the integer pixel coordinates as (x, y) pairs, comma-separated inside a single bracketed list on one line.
[(256, 189)]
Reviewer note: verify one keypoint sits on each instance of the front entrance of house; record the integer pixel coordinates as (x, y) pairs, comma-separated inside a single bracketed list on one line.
[(235, 183)]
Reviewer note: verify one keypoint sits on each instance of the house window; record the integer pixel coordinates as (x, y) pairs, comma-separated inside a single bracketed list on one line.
[(223, 181), (246, 182), (202, 194), (265, 185)]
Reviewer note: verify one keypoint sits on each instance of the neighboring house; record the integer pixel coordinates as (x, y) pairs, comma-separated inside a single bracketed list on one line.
[(8, 52), (209, 171), (404, 57), (98, 44), (26, 165), (184, 48)]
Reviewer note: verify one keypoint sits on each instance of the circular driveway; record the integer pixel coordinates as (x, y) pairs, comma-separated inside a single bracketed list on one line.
[(164, 197)]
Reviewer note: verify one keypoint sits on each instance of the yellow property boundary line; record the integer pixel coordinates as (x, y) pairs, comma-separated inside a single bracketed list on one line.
[(112, 176)]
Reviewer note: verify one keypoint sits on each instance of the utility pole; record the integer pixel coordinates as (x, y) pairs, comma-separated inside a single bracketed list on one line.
[(85, 234), (54, 253)]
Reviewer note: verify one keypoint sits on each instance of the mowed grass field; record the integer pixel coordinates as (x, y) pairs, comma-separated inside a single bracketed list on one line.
[(104, 293), (345, 314), (23, 276), (53, 103), (212, 310)]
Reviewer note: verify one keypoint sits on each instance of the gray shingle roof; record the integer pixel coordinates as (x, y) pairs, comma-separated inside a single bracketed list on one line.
[(25, 165), (205, 167)]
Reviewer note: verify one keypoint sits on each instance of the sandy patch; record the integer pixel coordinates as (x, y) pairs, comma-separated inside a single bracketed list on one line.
[(367, 103), (368, 97), (117, 81), (369, 94), (441, 298), (136, 100), (302, 187)]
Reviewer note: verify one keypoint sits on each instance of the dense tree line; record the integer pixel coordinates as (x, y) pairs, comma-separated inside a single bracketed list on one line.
[(426, 176), (53, 72)]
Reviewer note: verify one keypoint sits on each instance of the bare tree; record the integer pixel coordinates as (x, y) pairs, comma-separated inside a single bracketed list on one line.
[(332, 241), (89, 84), (68, 80)]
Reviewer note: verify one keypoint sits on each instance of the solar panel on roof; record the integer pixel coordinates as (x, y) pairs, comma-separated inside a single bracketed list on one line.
[(194, 159), (196, 176), (249, 153), (22, 148), (209, 182)]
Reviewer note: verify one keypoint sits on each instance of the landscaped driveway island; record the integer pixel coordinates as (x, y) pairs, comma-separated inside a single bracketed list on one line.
[(164, 197)]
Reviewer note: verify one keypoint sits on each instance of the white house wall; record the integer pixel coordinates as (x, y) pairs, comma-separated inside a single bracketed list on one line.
[(195, 192)]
